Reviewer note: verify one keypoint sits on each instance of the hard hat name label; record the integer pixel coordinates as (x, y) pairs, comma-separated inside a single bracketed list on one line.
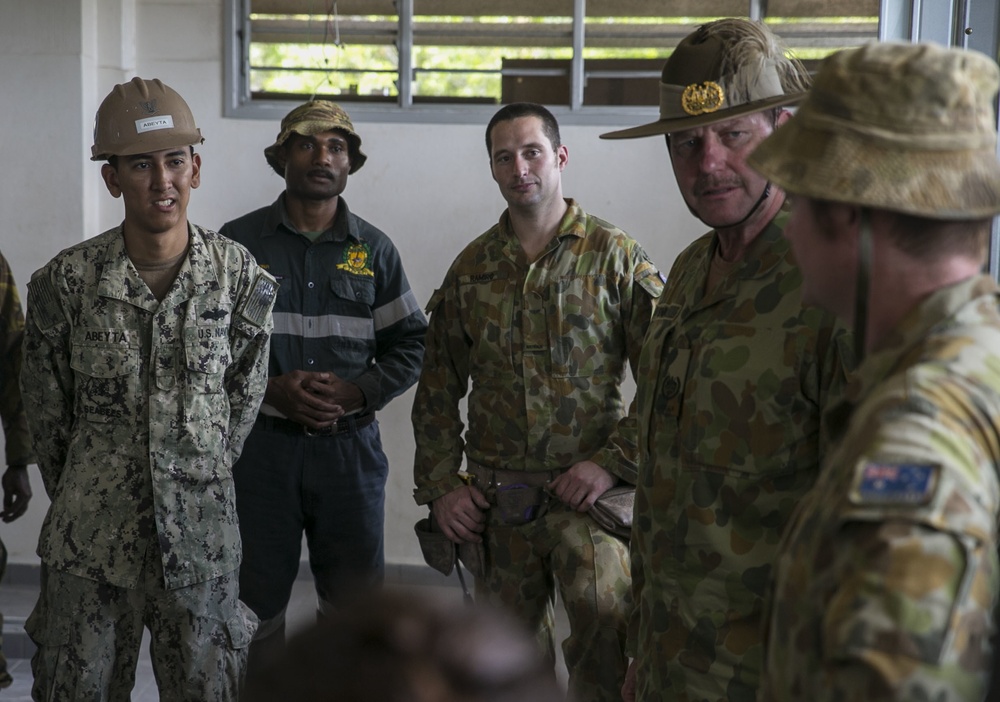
[(151, 124)]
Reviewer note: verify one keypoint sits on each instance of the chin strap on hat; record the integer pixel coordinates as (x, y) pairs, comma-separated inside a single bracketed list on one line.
[(862, 284), (756, 206)]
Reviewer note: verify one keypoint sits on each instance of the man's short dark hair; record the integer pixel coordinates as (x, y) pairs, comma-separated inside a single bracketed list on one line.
[(929, 239), (516, 110), (923, 238)]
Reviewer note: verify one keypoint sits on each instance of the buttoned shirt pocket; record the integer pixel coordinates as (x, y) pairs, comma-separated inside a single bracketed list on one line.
[(744, 412), (205, 363), (670, 387), (663, 369), (584, 334), (207, 355), (106, 381), (660, 401), (206, 346), (353, 290), (486, 305)]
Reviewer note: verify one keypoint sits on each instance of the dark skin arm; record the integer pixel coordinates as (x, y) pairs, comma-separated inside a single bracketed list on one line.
[(315, 399), (16, 492)]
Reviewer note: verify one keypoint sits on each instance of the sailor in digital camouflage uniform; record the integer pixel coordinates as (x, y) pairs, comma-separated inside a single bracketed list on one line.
[(17, 440), (145, 358), (543, 312), (734, 376), (887, 576)]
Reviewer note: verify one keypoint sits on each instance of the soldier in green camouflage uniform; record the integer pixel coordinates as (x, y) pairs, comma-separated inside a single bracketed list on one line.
[(17, 441), (887, 576), (542, 312), (145, 360), (734, 376)]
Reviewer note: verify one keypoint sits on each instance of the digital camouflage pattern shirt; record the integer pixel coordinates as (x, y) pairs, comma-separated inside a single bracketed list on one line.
[(732, 385), (139, 408), (887, 576), (17, 441), (546, 346)]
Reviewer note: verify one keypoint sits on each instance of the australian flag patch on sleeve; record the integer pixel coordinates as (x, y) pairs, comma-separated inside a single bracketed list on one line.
[(881, 483)]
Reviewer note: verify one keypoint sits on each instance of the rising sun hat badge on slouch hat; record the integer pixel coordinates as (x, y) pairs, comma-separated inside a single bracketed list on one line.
[(722, 70)]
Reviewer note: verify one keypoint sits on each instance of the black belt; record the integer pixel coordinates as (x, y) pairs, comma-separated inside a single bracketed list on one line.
[(288, 426)]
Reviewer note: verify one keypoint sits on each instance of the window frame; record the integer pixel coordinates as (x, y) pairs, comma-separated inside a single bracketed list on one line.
[(239, 104)]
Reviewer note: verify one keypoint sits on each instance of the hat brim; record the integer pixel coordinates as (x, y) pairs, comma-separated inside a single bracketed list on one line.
[(849, 168), (153, 143), (272, 154), (667, 126)]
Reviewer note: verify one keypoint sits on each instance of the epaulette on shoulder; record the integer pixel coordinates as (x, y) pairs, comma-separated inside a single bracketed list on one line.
[(43, 303), (649, 278), (259, 302)]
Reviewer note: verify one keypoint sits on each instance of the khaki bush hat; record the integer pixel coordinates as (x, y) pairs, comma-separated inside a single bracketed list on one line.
[(903, 127), (311, 118), (142, 116), (722, 70)]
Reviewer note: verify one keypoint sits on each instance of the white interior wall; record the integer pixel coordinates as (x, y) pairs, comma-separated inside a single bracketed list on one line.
[(427, 186)]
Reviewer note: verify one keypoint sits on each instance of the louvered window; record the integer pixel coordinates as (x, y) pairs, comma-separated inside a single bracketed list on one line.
[(450, 56)]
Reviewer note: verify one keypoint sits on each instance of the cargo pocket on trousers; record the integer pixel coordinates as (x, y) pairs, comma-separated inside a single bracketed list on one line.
[(241, 627), (52, 635), (52, 630)]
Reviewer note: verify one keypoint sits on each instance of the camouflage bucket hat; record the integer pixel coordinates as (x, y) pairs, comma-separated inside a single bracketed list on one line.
[(722, 70), (902, 127), (311, 118)]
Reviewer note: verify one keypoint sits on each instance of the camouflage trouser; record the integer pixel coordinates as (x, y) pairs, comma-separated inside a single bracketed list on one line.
[(590, 567), (89, 635)]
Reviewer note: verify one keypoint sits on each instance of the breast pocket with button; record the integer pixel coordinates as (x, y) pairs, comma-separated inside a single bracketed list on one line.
[(107, 382), (352, 292), (744, 413), (486, 305), (585, 334), (207, 355)]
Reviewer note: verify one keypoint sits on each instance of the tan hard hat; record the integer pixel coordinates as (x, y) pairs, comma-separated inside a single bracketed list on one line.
[(722, 70), (142, 116), (312, 118), (903, 127)]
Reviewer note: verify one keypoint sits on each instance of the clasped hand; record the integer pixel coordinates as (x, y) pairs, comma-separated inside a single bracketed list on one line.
[(461, 513), (315, 399)]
